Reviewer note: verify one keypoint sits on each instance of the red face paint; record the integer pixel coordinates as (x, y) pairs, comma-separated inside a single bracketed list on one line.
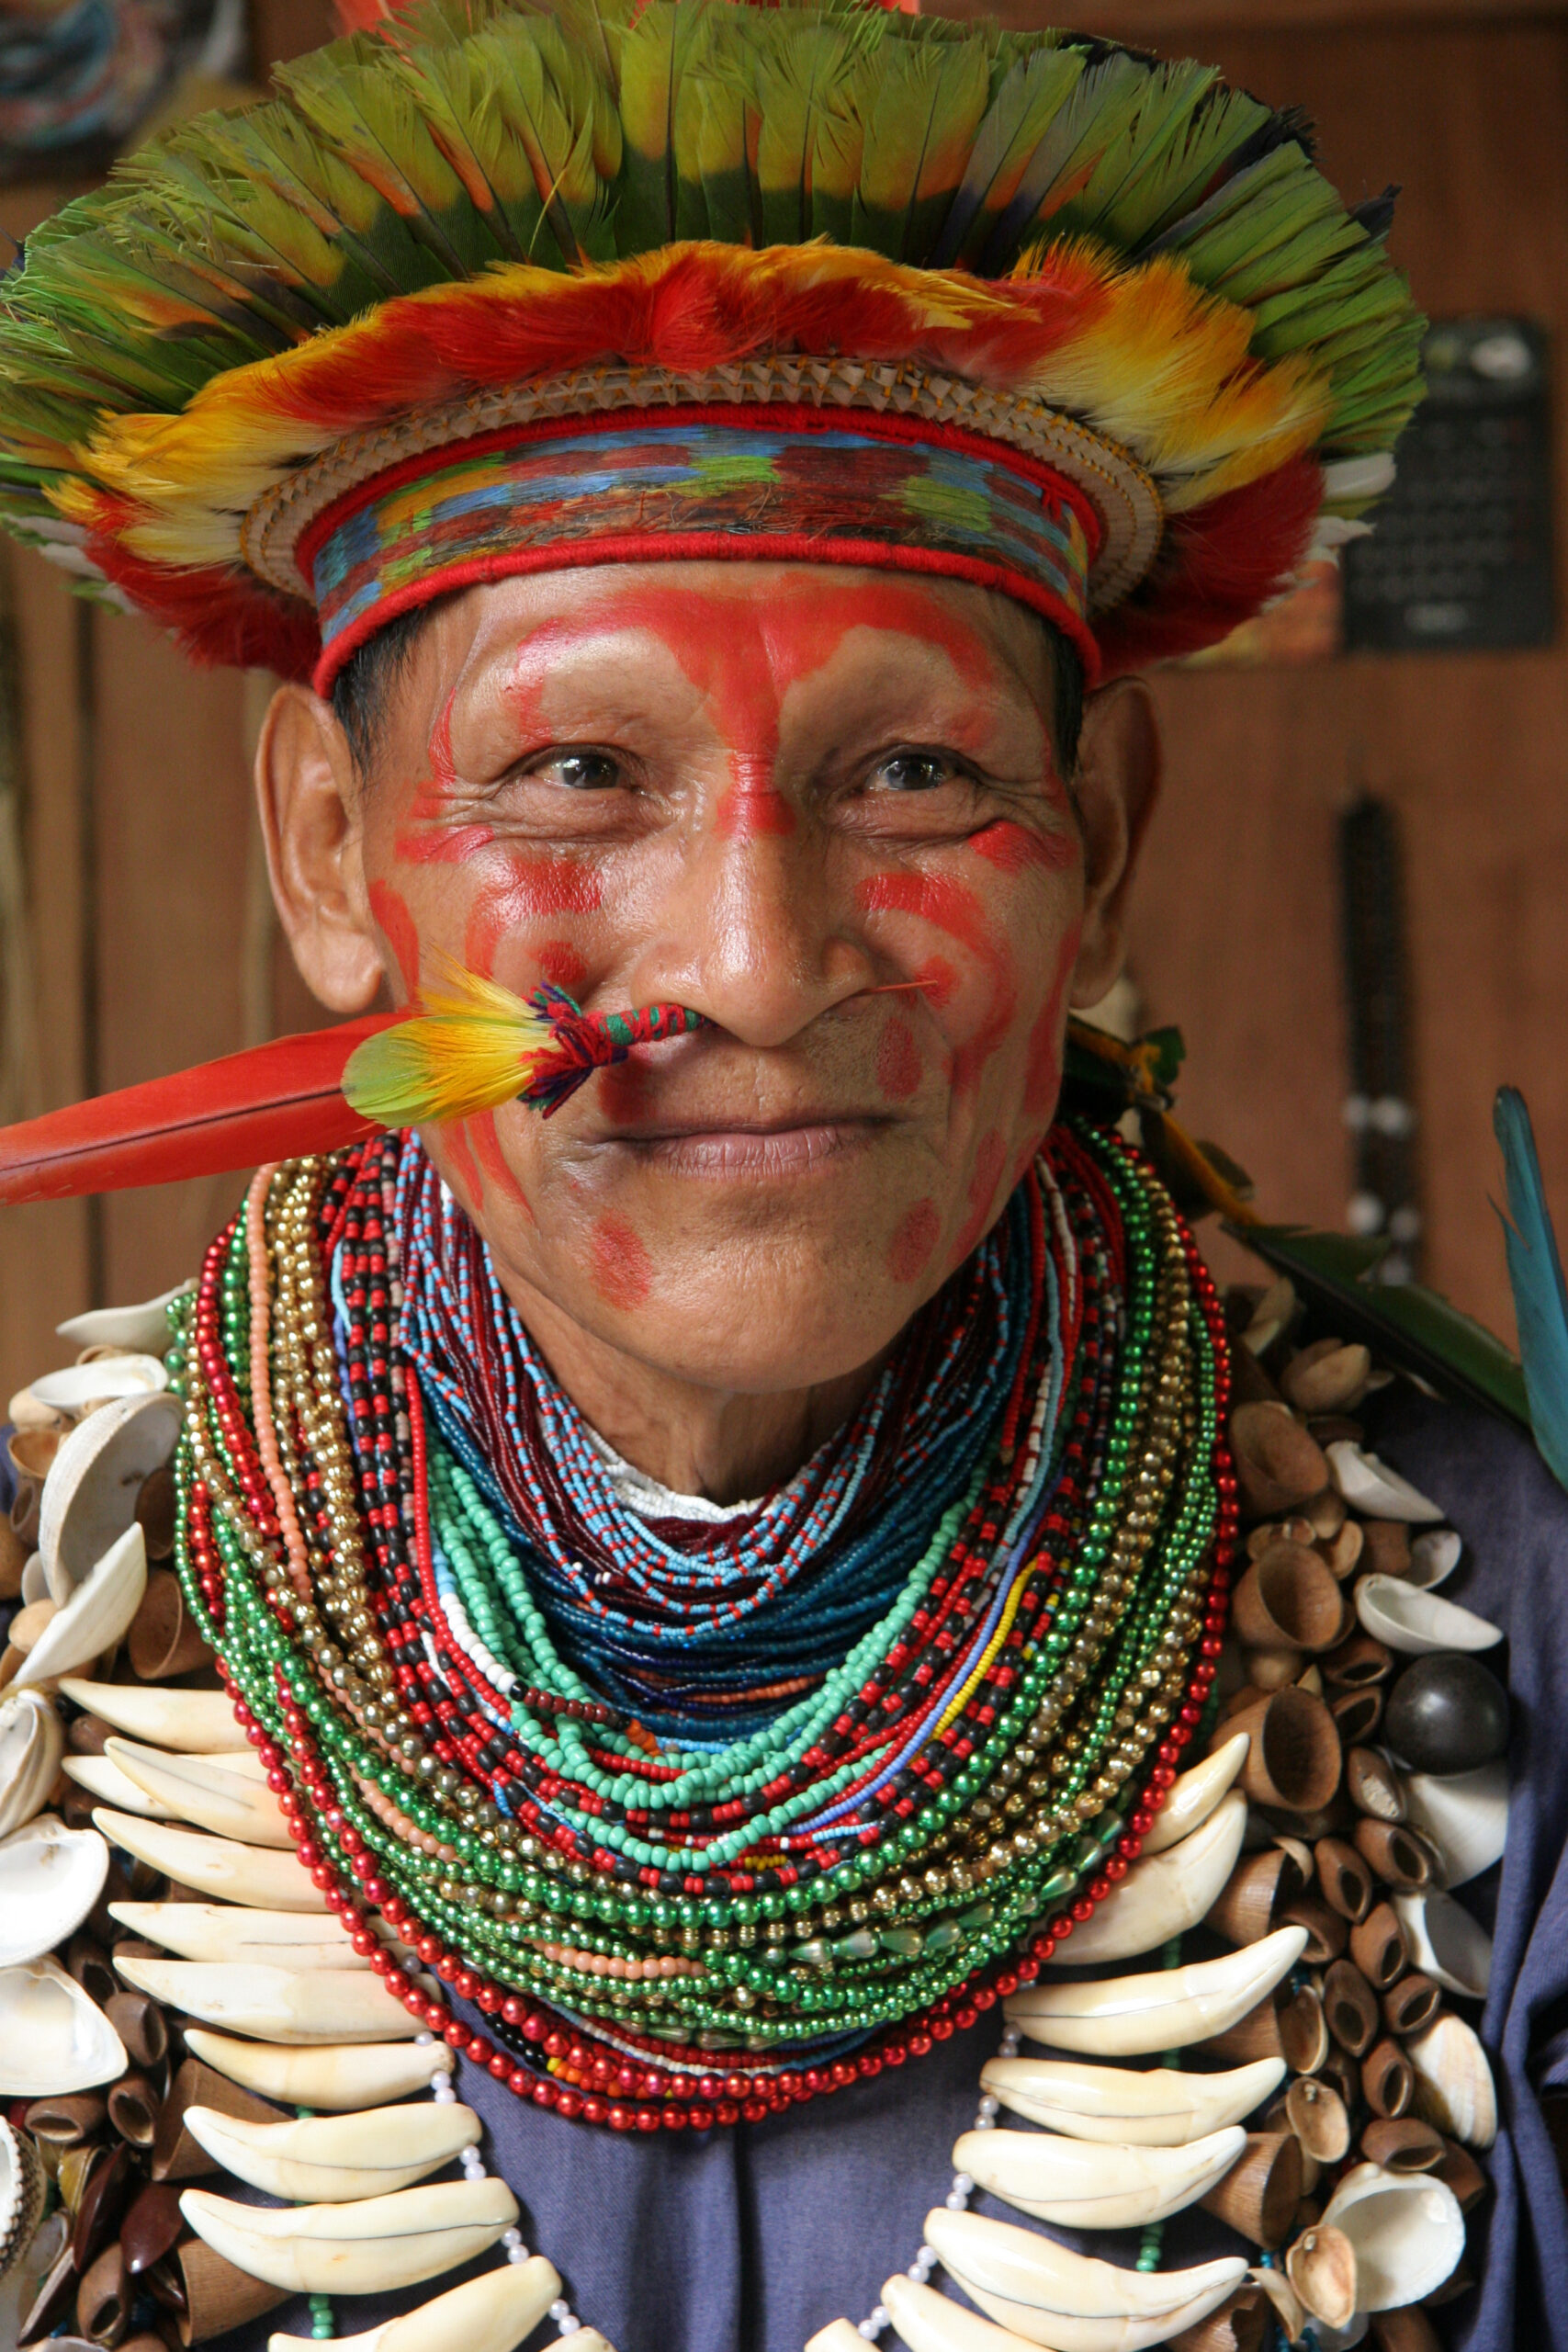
[(424, 840), (486, 1142), (947, 905), (988, 1164), (561, 964), (623, 1275), (465, 1167), (397, 928), (898, 1064), (1013, 848), (911, 1249), (529, 890)]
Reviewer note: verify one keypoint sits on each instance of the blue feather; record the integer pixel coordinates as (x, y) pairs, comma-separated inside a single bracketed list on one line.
[(1535, 1270)]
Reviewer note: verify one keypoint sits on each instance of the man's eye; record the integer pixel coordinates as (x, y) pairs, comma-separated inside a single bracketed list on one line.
[(579, 771), (913, 772)]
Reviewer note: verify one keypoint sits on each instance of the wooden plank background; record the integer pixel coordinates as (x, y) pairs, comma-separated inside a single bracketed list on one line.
[(142, 850)]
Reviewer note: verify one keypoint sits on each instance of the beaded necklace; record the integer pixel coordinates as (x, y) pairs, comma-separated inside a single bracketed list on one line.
[(665, 1926)]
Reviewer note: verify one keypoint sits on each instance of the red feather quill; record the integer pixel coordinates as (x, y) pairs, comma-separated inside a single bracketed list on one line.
[(274, 1101)]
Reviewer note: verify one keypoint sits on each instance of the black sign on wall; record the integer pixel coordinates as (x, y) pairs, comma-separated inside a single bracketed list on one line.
[(1461, 557)]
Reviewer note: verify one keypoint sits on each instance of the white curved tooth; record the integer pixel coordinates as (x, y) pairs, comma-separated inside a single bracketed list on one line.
[(81, 1384), (90, 1494), (276, 2003), (1444, 1942), (49, 1879), (1454, 2088), (103, 1776), (191, 1721), (1046, 2293), (1079, 2184), (1194, 1795), (1125, 2017), (98, 1612), (376, 2245), (335, 2077), (32, 1743), (254, 1874), (52, 2037), (1465, 1814), (1163, 1896), (211, 1798), (927, 2321), (1157, 2107), (1369, 1487), (330, 2159), (1417, 1623), (491, 2313), (220, 1931), (142, 1331)]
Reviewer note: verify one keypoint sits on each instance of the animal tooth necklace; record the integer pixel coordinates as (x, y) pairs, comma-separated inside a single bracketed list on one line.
[(546, 1743)]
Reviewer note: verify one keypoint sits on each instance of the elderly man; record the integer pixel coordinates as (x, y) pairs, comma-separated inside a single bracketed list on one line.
[(713, 1501)]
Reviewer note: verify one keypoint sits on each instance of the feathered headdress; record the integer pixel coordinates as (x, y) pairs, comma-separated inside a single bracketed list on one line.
[(483, 219)]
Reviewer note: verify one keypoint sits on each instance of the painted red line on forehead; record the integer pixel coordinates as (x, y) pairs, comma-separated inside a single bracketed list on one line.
[(397, 927)]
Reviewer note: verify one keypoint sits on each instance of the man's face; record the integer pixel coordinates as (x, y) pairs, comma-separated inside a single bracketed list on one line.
[(819, 807)]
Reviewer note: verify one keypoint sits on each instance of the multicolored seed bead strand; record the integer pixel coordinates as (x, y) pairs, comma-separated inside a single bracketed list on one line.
[(672, 1927)]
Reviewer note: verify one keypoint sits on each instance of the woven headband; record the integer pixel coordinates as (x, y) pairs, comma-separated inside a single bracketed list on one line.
[(821, 462)]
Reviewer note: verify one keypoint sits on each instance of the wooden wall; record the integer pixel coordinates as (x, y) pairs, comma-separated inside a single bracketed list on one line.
[(142, 859)]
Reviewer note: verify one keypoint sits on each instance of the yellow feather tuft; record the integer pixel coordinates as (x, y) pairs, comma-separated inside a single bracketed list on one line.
[(467, 1049)]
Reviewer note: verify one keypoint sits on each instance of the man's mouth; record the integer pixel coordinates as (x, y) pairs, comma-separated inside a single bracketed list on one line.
[(729, 1147)]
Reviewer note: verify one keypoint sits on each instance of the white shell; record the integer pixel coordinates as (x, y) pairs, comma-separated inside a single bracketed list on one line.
[(89, 1496), (32, 1742), (1155, 2108), (1446, 1943), (333, 2158), (23, 2189), (339, 2077), (1082, 2184), (110, 1786), (294, 1940), (98, 1612), (143, 1329), (52, 2037), (1194, 1795), (1406, 2228), (1433, 1558), (491, 2313), (276, 2003), (1454, 2081), (1165, 1895), (1418, 1622), (191, 1721), (1126, 2017), (253, 1874), (81, 1384), (203, 1794), (1465, 1814), (1050, 2296), (49, 1879), (1370, 1486), (376, 2245)]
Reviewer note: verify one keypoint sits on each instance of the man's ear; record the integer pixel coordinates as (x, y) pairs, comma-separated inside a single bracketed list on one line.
[(1116, 787), (309, 799)]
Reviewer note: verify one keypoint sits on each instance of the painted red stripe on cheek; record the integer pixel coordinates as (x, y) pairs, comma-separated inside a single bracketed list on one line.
[(493, 1160), (531, 890), (623, 1273), (1013, 848), (898, 1064), (911, 1245), (397, 927), (561, 964)]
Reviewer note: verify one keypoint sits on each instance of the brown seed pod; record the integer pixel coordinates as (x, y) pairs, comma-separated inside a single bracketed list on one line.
[(67, 2120), (1388, 2079), (1411, 2004), (103, 2298), (1372, 1785), (1328, 1377), (1279, 1531), (105, 2192), (1288, 1600), (140, 2024), (1317, 2115), (1399, 1855), (152, 2226), (1350, 2006), (1294, 1760), (1278, 1464), (156, 1511), (176, 2154), (1402, 2144), (1358, 1663), (133, 2107), (164, 1639), (1251, 1895), (1239, 2325), (1378, 1946), (1344, 1878), (1385, 1547), (1357, 1715), (1458, 2170), (1326, 1931), (1259, 2195), (1406, 2330), (1321, 2266), (1342, 1549), (1342, 2074), (218, 2296)]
